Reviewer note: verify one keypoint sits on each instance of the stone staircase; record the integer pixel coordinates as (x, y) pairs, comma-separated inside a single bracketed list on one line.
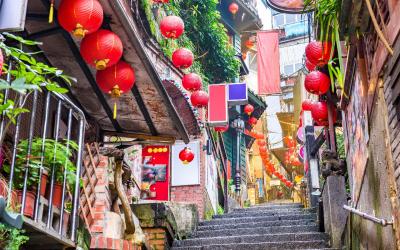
[(272, 226)]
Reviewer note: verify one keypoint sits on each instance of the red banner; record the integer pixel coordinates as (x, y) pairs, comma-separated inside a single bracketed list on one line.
[(268, 62)]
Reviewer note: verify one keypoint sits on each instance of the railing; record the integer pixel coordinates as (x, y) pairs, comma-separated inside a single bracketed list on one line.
[(45, 148), (251, 4), (382, 222)]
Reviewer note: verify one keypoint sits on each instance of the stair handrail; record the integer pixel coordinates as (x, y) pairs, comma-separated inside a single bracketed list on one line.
[(372, 218)]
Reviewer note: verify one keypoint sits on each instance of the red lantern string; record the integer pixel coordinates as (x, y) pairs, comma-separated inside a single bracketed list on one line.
[(233, 8), (248, 109), (191, 82), (172, 27), (182, 58), (199, 99), (317, 83)]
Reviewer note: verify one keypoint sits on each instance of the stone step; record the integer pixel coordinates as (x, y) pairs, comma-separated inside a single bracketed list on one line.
[(271, 206), (265, 213), (258, 219), (206, 227), (234, 231), (258, 238), (310, 245)]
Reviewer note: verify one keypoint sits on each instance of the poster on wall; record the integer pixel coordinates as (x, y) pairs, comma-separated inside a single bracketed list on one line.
[(185, 174), (357, 134), (155, 172), (133, 159)]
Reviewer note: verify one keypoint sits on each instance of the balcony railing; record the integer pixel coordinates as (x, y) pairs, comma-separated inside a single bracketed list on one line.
[(251, 4), (43, 166)]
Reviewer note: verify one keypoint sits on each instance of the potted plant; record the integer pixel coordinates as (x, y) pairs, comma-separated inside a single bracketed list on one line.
[(11, 238), (66, 216)]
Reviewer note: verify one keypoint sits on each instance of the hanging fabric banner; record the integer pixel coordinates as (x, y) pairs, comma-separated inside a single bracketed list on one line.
[(268, 62)]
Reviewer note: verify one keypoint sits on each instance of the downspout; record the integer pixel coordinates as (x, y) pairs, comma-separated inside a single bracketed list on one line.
[(119, 7)]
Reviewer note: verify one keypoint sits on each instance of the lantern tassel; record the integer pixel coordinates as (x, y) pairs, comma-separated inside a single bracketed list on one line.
[(115, 111), (51, 13)]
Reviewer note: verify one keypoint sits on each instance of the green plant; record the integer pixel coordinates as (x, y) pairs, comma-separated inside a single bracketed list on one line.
[(220, 210), (204, 35), (246, 203), (56, 154), (209, 214), (11, 238), (27, 75)]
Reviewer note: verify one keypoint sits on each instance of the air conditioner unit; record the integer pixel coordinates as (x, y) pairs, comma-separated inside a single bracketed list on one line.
[(12, 15)]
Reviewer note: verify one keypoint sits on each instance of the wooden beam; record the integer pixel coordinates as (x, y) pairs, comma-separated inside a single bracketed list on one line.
[(164, 139)]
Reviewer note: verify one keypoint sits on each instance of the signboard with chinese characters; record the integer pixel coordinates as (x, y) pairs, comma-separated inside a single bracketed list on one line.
[(218, 105), (237, 93)]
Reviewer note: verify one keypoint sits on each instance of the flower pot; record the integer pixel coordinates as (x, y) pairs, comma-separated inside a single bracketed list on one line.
[(29, 202), (57, 195), (43, 183)]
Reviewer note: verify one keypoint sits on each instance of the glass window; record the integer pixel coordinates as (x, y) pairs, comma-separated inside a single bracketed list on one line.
[(279, 20), (288, 69), (290, 18)]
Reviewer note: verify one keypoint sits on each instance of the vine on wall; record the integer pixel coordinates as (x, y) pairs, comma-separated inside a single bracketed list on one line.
[(204, 35)]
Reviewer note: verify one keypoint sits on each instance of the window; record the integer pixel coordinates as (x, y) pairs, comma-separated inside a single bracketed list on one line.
[(290, 19), (279, 19)]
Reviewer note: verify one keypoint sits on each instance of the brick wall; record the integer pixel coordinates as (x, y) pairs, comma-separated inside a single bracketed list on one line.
[(156, 237)]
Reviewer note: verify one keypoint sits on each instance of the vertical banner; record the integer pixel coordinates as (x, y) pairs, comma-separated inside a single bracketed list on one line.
[(268, 62), (155, 172), (185, 174), (217, 104)]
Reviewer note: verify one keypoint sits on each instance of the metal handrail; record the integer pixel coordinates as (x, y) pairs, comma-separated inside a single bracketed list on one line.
[(382, 222)]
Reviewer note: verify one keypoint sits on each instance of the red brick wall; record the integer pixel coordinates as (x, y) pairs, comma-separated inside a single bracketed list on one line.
[(157, 238)]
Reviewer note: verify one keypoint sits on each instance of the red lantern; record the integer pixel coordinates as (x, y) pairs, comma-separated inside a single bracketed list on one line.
[(222, 129), (116, 80), (252, 121), (199, 99), (318, 53), (259, 136), (248, 109), (307, 104), (317, 83), (320, 112), (101, 49), (81, 17), (289, 142), (261, 143), (172, 27), (310, 66), (233, 8), (262, 149), (160, 1), (249, 44), (191, 82), (186, 155), (182, 58)]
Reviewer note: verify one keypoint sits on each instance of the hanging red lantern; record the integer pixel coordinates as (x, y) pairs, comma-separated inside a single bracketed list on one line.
[(160, 1), (261, 143), (310, 67), (186, 155), (80, 17), (307, 105), (252, 121), (191, 82), (262, 149), (172, 27), (244, 55), (317, 83), (233, 8), (320, 112), (249, 44), (248, 109), (318, 53), (101, 49), (259, 136), (199, 99), (116, 80), (182, 58), (289, 142), (222, 129)]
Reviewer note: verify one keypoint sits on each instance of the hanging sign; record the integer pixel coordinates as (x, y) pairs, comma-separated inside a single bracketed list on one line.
[(237, 93), (12, 15), (218, 105), (185, 174), (287, 6)]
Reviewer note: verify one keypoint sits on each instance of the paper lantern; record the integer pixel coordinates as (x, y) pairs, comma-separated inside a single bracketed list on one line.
[(317, 83), (249, 44), (289, 142), (116, 80), (182, 58), (101, 49), (221, 129), (319, 112), (160, 1), (80, 17), (261, 143), (259, 136), (186, 155), (252, 121), (199, 99), (307, 104), (191, 82), (233, 8), (172, 27), (318, 53), (248, 109), (310, 67)]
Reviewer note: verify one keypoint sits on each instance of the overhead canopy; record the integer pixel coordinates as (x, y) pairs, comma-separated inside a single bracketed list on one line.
[(147, 109)]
